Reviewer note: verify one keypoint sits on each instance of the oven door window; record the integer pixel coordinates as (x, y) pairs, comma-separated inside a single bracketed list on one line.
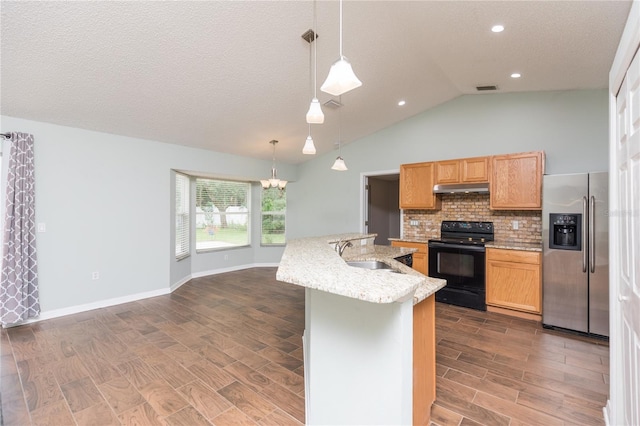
[(455, 264), (459, 266)]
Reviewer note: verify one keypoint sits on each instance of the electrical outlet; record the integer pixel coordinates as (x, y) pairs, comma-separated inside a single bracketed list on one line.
[(514, 224), (95, 275), (413, 222), (226, 257)]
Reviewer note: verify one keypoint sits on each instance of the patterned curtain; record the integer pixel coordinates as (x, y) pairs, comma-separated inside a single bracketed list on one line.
[(19, 279)]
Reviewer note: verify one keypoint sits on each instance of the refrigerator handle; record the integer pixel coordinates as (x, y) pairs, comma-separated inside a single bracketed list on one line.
[(592, 227), (584, 234)]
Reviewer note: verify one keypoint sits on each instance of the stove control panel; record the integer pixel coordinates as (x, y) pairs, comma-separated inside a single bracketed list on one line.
[(461, 226)]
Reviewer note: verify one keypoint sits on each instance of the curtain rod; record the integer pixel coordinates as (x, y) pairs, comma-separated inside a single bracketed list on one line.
[(6, 135)]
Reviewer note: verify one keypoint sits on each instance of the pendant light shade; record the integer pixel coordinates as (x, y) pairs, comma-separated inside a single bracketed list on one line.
[(339, 165), (315, 115), (309, 147), (341, 78)]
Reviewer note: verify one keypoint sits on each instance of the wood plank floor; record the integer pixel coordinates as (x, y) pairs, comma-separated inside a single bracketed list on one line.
[(226, 349)]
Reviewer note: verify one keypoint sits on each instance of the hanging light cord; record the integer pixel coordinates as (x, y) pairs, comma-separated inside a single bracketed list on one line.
[(311, 83), (340, 125), (340, 28), (315, 53), (273, 164)]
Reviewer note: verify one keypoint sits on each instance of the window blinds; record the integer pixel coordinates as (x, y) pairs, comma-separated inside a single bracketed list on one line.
[(222, 214), (182, 216)]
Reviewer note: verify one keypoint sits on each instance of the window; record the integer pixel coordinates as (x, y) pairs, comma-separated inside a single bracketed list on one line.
[(182, 216), (222, 214), (274, 206)]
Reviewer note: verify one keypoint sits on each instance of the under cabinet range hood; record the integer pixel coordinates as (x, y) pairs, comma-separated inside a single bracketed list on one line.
[(452, 188)]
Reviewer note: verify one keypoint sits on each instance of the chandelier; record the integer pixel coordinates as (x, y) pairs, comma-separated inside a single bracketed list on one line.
[(273, 181)]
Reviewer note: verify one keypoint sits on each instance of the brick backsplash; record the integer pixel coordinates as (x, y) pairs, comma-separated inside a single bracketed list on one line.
[(474, 207)]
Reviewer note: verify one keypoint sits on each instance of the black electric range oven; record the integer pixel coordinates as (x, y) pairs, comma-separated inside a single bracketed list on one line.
[(459, 257)]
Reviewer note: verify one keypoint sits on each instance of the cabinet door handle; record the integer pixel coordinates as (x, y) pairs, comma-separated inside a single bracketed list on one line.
[(622, 298)]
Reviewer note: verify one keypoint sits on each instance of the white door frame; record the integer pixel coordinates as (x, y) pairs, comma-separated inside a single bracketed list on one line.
[(630, 41), (363, 195)]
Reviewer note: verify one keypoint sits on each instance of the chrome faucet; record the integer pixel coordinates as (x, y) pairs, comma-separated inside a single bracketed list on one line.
[(341, 245)]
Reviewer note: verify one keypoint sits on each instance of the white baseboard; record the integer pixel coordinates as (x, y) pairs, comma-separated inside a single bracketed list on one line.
[(606, 413), (179, 284), (55, 313), (232, 269), (134, 297)]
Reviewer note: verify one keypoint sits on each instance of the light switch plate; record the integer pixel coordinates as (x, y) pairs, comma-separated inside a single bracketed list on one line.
[(42, 227)]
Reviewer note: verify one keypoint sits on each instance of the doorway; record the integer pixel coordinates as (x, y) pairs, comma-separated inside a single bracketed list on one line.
[(382, 213)]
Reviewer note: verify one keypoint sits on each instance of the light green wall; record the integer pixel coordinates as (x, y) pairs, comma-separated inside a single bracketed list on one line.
[(107, 202), (571, 127)]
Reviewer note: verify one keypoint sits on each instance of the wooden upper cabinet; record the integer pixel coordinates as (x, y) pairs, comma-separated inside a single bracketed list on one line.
[(516, 181), (475, 169), (448, 171), (416, 187), (465, 170)]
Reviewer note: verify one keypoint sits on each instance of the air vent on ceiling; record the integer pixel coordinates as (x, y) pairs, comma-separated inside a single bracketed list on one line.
[(332, 103), (486, 88)]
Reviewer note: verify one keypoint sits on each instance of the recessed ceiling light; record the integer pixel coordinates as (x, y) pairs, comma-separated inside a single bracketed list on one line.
[(516, 75), (401, 103), (497, 28)]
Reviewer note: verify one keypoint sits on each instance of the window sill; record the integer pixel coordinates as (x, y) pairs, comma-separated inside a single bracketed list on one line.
[(214, 249)]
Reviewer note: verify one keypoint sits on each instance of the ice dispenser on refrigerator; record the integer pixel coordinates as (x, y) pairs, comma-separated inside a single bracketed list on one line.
[(565, 231)]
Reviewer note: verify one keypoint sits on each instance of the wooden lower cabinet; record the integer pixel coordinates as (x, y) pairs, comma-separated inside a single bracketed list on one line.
[(420, 260), (514, 280), (424, 360), (424, 342)]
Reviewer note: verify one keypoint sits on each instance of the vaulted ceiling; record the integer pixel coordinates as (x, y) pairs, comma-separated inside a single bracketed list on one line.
[(232, 75)]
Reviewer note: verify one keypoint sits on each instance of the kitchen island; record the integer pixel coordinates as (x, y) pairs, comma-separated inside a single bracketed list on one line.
[(369, 334)]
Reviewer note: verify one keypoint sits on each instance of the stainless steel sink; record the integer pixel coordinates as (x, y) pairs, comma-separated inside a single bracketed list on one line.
[(371, 264)]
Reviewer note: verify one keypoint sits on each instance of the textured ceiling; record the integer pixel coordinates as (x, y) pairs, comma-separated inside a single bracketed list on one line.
[(232, 75)]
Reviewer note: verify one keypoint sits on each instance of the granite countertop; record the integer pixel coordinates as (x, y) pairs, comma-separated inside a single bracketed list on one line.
[(313, 263), (514, 245), (413, 240)]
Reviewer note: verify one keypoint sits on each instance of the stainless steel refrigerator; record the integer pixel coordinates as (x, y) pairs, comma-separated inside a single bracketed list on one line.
[(575, 264)]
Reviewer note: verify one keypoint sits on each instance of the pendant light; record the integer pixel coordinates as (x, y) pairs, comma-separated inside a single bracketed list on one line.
[(339, 164), (341, 77), (309, 147), (315, 112), (273, 181), (314, 115)]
